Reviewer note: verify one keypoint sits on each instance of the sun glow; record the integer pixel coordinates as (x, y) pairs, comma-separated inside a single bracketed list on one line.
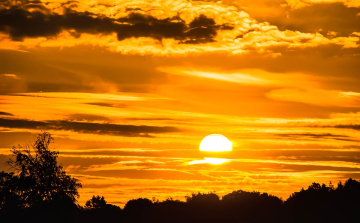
[(214, 161), (215, 143)]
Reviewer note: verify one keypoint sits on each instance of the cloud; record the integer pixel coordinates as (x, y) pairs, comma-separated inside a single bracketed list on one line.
[(103, 104), (90, 128), (315, 136), (92, 96), (14, 76), (354, 126), (72, 168), (237, 77), (87, 117), (300, 87), (206, 160), (296, 4), (164, 28), (20, 23), (315, 96), (331, 163), (6, 113), (324, 18)]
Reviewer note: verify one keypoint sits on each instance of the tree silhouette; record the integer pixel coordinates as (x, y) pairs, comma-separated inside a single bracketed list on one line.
[(204, 207), (38, 181), (95, 202), (97, 210), (324, 203), (139, 210), (171, 210), (243, 206), (9, 200)]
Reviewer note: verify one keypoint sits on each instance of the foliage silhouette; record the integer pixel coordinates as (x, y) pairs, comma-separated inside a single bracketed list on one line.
[(139, 210), (38, 188), (97, 210), (251, 207), (203, 207), (170, 210), (320, 203), (95, 202)]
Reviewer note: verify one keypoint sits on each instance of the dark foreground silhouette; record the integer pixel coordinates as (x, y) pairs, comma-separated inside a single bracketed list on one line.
[(40, 191)]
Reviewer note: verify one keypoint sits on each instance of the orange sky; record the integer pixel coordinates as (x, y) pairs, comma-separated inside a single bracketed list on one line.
[(129, 88)]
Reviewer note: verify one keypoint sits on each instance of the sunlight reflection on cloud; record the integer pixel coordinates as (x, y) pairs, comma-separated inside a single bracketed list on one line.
[(206, 160)]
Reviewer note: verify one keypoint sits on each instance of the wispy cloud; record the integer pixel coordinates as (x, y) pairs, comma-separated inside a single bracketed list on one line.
[(13, 76), (316, 96), (87, 127), (237, 77), (6, 113)]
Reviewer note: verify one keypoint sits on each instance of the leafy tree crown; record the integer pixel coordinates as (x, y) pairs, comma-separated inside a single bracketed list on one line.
[(37, 176)]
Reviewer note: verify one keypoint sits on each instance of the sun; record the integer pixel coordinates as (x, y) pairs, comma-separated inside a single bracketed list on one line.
[(215, 143)]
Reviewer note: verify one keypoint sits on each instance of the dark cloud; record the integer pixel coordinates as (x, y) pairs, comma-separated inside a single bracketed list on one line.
[(321, 157), (19, 22), (104, 104), (131, 9), (313, 136), (20, 123), (321, 17), (203, 30), (85, 127), (6, 113), (151, 119), (69, 4), (355, 127), (148, 26)]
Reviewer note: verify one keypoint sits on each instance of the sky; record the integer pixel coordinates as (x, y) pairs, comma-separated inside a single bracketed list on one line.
[(129, 88)]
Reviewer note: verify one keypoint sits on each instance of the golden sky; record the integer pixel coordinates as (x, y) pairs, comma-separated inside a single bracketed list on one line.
[(129, 88)]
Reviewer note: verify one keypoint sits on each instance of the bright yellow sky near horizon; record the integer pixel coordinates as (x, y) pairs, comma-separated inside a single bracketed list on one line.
[(129, 89)]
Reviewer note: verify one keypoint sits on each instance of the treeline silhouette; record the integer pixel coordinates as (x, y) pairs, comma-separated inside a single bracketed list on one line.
[(40, 191)]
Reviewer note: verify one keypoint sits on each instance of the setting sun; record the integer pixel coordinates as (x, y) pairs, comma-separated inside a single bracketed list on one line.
[(215, 143)]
